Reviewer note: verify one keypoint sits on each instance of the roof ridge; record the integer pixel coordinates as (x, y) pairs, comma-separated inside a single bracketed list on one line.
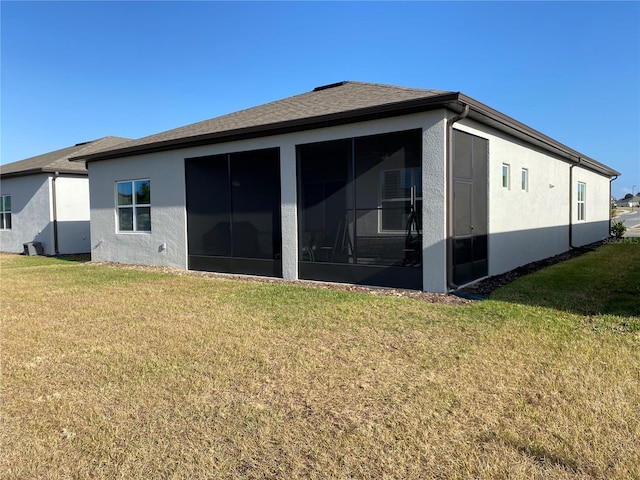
[(333, 100), (316, 91), (396, 87)]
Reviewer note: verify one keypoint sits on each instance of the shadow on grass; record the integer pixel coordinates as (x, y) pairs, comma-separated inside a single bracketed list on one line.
[(15, 260), (539, 454), (605, 281), (75, 258)]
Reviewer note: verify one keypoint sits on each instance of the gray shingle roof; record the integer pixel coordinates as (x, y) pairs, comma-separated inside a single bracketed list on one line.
[(58, 160), (335, 104), (321, 102)]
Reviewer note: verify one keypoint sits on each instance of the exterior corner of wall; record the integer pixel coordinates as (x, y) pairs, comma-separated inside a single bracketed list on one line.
[(434, 205)]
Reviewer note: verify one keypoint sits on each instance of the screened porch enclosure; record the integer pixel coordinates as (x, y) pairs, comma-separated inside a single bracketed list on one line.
[(233, 213), (470, 207), (360, 210)]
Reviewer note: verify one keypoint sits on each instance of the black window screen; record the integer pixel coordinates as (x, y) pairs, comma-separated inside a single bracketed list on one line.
[(360, 219), (470, 228), (233, 212)]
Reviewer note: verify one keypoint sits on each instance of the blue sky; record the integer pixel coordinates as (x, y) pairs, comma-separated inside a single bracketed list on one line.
[(76, 71)]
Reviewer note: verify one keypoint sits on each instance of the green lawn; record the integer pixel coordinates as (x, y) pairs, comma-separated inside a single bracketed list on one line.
[(121, 373)]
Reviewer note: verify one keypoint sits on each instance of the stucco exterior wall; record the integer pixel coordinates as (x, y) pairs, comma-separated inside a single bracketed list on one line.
[(596, 224), (166, 244), (72, 206), (30, 212), (523, 225), (533, 224)]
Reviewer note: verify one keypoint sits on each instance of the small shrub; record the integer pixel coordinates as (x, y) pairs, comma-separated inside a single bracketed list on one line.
[(618, 229)]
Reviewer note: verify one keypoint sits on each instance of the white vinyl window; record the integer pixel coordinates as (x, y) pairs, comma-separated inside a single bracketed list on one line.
[(400, 191), (133, 200), (506, 174), (524, 179), (581, 201), (5, 212)]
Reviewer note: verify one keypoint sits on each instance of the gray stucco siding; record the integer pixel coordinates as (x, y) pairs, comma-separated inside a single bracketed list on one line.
[(533, 224), (31, 213), (166, 244), (523, 225)]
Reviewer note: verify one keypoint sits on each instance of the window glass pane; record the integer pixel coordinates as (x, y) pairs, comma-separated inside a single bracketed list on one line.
[(417, 181), (125, 194), (2, 221), (505, 176), (143, 219), (125, 219), (406, 184), (143, 192), (396, 184), (391, 181), (7, 203), (394, 215), (525, 179)]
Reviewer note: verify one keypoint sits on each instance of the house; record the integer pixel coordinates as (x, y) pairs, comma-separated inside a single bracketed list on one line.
[(633, 201), (45, 199), (352, 182)]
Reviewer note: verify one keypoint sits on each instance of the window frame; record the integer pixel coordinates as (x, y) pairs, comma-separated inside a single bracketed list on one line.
[(415, 181), (133, 206), (524, 179), (581, 201), (506, 176), (5, 213)]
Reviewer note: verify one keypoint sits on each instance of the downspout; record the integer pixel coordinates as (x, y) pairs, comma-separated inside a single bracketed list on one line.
[(611, 180), (55, 213), (450, 185), (571, 246)]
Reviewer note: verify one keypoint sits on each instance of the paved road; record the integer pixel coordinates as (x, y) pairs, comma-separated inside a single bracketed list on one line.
[(631, 220)]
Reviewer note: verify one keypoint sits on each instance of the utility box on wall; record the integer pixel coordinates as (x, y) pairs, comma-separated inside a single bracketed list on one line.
[(32, 248)]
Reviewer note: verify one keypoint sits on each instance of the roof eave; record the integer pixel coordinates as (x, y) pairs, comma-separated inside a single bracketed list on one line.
[(509, 125), (44, 170), (454, 101)]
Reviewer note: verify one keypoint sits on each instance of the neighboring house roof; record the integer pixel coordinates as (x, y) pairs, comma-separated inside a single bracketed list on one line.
[(335, 104), (58, 160), (624, 201)]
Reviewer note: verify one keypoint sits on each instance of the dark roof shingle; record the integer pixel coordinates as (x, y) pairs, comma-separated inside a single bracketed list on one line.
[(335, 104), (58, 160), (321, 102)]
